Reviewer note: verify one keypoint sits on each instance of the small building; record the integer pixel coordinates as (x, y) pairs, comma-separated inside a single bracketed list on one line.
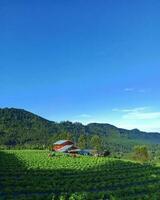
[(64, 146)]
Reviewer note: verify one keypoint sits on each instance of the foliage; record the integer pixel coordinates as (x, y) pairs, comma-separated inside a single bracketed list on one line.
[(82, 142), (31, 174), (141, 153), (96, 142)]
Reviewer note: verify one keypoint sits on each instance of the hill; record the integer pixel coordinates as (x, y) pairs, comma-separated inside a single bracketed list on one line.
[(20, 127)]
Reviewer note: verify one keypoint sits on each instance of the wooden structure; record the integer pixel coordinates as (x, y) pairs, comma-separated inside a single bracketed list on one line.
[(65, 146)]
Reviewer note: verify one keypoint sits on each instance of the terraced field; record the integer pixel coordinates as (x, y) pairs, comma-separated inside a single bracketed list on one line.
[(31, 174)]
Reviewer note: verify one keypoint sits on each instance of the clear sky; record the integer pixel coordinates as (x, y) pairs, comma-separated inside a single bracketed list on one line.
[(83, 60)]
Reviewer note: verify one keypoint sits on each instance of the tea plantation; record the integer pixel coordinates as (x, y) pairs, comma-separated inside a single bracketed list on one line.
[(31, 175)]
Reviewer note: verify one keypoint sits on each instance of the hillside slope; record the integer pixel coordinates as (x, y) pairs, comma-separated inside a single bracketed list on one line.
[(18, 126)]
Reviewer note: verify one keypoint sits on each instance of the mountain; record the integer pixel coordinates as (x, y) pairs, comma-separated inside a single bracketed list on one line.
[(20, 127)]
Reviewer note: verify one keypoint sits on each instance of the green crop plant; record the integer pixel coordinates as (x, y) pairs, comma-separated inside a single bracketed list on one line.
[(31, 174)]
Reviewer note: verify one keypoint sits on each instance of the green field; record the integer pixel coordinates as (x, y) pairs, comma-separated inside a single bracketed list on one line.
[(31, 174)]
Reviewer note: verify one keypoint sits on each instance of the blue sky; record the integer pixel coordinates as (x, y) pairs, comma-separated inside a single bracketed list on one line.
[(84, 60)]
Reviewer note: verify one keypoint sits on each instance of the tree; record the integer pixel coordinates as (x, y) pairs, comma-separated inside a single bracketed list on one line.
[(141, 153), (65, 136), (96, 142), (82, 142)]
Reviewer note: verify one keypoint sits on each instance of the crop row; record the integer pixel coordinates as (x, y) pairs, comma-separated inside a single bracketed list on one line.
[(33, 175)]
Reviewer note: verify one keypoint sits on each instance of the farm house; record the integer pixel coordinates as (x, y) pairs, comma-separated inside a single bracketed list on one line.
[(65, 146)]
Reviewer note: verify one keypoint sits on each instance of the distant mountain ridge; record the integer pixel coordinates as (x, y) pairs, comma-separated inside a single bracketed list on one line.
[(18, 126)]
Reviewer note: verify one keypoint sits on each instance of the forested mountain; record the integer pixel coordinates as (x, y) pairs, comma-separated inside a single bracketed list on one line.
[(20, 127)]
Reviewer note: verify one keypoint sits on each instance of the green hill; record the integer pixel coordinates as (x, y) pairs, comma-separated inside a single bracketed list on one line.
[(19, 127)]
